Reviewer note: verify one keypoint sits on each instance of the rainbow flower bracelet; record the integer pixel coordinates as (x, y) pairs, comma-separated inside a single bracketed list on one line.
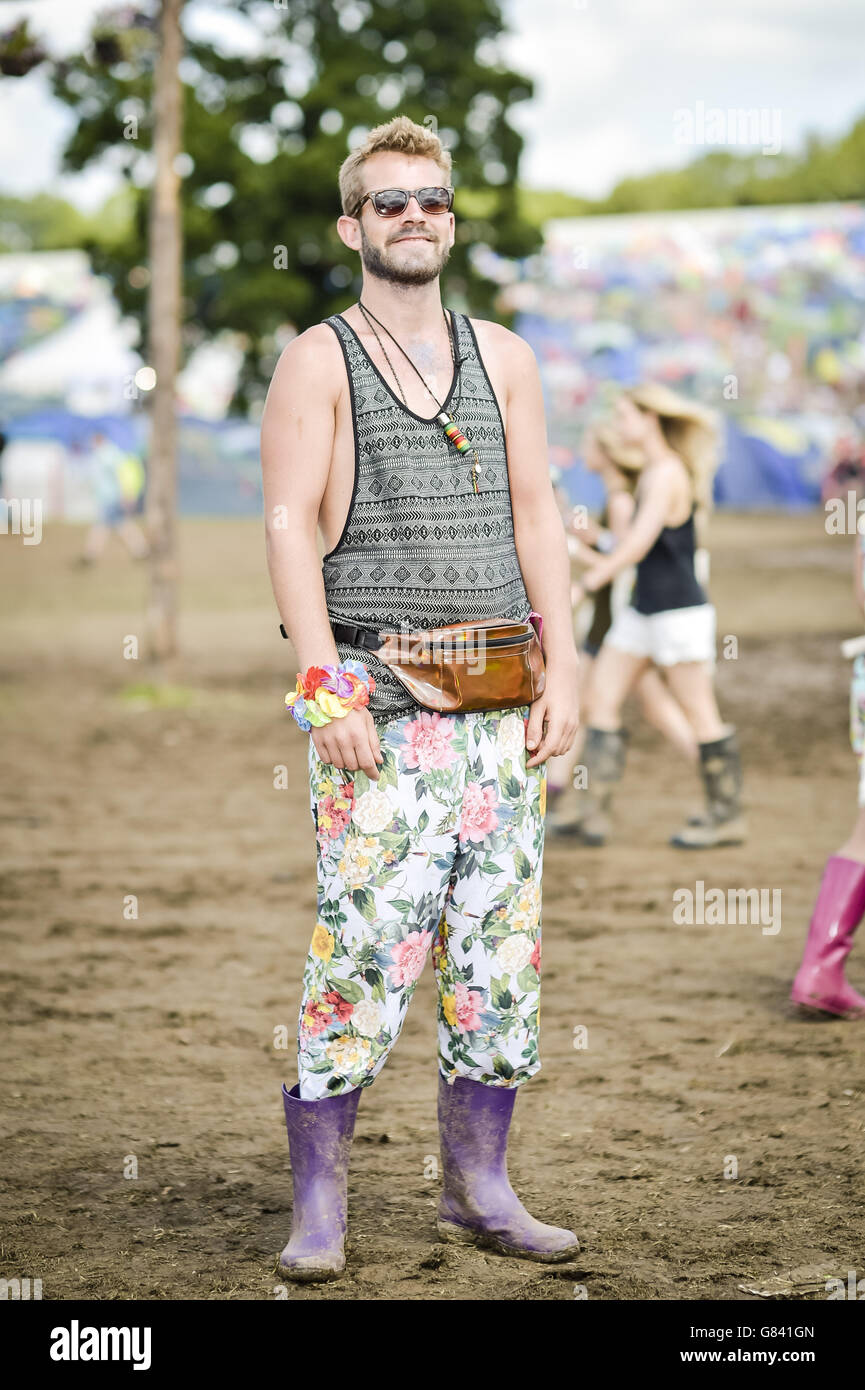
[(324, 693)]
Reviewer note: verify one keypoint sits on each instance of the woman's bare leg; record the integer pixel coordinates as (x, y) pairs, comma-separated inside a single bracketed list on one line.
[(663, 711), (614, 677), (692, 686)]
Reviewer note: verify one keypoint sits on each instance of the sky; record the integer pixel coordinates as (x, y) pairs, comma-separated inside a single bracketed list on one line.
[(618, 84)]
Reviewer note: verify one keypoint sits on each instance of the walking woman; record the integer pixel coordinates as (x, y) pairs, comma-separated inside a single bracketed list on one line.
[(619, 469), (669, 621)]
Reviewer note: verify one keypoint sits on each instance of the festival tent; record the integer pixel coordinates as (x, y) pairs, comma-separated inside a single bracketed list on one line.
[(767, 464)]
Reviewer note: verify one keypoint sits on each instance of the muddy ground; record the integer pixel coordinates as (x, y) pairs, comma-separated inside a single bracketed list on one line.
[(144, 1154)]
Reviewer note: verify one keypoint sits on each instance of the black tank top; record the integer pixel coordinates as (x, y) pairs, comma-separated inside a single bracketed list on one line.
[(665, 576)]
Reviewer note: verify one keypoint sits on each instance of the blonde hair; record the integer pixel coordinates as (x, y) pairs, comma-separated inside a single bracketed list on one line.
[(401, 135), (691, 431)]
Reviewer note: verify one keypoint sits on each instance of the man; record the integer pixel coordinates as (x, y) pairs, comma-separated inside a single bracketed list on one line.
[(429, 829)]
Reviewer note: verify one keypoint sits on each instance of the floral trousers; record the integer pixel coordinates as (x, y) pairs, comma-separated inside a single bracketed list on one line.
[(442, 855)]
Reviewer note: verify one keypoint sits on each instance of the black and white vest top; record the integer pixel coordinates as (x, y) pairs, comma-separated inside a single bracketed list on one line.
[(419, 547)]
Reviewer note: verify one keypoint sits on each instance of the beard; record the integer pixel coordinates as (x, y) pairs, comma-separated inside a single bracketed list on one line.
[(384, 265)]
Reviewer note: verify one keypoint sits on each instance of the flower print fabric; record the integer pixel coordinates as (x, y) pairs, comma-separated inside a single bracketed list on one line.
[(857, 720), (857, 706), (441, 856)]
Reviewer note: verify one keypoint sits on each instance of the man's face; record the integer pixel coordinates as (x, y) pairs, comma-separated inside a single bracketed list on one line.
[(414, 247)]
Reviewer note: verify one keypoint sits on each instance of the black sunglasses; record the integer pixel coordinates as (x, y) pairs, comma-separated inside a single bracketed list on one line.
[(390, 202)]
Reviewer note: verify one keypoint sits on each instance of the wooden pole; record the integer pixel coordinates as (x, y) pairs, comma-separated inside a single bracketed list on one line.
[(165, 245)]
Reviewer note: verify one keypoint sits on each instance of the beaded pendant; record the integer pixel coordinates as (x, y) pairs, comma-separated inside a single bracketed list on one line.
[(459, 441)]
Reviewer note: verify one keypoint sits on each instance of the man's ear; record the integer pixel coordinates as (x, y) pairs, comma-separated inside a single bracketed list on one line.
[(348, 231)]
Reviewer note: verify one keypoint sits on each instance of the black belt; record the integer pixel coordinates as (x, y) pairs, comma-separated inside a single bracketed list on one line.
[(354, 636)]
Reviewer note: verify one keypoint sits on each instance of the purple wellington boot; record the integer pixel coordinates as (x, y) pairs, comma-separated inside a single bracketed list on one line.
[(820, 983), (478, 1206), (319, 1141)]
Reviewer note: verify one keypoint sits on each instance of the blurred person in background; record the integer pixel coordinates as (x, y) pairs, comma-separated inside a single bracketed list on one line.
[(618, 469), (118, 480), (846, 472), (820, 985), (669, 620)]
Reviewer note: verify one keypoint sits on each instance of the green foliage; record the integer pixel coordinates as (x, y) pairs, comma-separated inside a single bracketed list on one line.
[(539, 205), (46, 223), (500, 996), (823, 171), (20, 50)]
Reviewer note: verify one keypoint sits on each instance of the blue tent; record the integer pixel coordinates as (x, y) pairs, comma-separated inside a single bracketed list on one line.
[(55, 422), (757, 471)]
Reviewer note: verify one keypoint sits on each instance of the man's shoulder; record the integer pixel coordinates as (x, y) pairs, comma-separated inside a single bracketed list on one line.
[(308, 369), (508, 346), (314, 350), (317, 339)]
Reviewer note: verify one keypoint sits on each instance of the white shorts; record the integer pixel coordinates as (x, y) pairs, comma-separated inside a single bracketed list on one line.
[(668, 638)]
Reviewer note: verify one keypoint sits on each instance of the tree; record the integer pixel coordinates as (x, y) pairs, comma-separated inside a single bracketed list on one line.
[(165, 241), (133, 40), (264, 134)]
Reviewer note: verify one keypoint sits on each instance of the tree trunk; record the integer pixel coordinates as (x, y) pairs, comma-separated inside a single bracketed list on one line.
[(165, 238)]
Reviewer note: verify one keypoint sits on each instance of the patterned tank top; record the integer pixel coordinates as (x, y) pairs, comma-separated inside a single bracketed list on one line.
[(419, 547)]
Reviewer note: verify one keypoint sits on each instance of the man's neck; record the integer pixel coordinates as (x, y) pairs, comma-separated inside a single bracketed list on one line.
[(409, 311)]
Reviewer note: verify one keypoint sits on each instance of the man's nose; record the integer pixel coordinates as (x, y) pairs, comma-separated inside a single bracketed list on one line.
[(409, 220)]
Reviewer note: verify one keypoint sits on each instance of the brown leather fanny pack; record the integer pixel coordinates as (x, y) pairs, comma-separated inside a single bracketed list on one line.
[(493, 664)]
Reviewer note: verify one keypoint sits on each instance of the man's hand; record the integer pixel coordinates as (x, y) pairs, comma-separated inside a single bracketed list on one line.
[(559, 709), (350, 743)]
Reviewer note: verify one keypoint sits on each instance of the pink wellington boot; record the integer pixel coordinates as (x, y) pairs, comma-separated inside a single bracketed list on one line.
[(820, 983)]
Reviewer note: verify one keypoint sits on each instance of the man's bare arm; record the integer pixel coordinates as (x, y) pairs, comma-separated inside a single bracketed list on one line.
[(542, 549), (297, 436)]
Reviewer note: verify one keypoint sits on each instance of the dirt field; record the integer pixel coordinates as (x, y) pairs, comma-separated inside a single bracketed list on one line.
[(147, 1044)]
